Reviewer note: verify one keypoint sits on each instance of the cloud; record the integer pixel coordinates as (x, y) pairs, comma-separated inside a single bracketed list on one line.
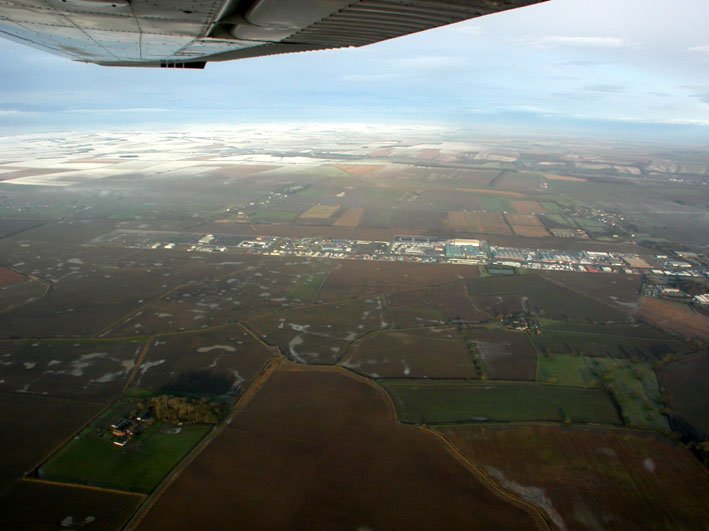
[(4, 113), (384, 76), (466, 29), (407, 67), (700, 49), (582, 42), (431, 62), (119, 110), (704, 98), (604, 87), (583, 63)]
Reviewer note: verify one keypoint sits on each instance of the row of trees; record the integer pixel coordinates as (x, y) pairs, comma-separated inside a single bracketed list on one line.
[(176, 410)]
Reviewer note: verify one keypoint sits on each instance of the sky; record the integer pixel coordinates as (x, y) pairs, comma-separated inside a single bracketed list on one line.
[(598, 67)]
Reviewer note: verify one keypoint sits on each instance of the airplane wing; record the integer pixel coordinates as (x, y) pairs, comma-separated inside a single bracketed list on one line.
[(189, 33)]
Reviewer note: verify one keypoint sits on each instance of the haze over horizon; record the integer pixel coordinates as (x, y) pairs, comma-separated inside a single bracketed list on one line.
[(581, 67)]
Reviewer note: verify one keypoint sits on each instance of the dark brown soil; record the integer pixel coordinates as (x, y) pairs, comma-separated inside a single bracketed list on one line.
[(319, 450), (611, 480)]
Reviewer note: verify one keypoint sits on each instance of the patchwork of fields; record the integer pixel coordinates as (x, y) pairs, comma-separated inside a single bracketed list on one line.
[(356, 394)]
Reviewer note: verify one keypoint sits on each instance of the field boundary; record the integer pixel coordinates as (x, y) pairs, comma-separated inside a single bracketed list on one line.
[(48, 286), (264, 374), (538, 515), (473, 468), (83, 486), (66, 440)]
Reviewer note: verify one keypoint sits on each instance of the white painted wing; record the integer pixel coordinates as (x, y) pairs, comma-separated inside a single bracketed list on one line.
[(188, 33)]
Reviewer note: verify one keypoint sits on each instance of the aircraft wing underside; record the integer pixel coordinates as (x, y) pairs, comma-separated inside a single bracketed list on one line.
[(188, 33)]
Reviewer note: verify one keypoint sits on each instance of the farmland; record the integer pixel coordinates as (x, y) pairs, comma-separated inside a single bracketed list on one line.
[(408, 309), (64, 507), (687, 395), (321, 334), (350, 279), (592, 478), (489, 222), (527, 207), (358, 170), (315, 463), (453, 301), (630, 341), (71, 309), (633, 384), (546, 299), (675, 318), (351, 218), (426, 353), (87, 369), (319, 212), (33, 426), (526, 225), (460, 221), (91, 458), (440, 401), (302, 281), (617, 290), (9, 277), (217, 363), (19, 294), (241, 289), (505, 355)]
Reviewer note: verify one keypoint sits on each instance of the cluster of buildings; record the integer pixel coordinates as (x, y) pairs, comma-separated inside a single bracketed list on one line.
[(128, 426), (468, 251), (425, 249)]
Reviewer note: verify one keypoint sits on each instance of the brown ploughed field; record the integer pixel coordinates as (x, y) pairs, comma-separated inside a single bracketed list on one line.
[(527, 207), (490, 223), (459, 221), (36, 506), (686, 392), (506, 355), (425, 353), (8, 276), (453, 301), (358, 170), (318, 449), (350, 218), (675, 318), (587, 479), (352, 278)]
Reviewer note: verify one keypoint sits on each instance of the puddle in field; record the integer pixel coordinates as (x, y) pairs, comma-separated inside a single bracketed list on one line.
[(534, 495), (649, 464), (228, 348), (297, 340)]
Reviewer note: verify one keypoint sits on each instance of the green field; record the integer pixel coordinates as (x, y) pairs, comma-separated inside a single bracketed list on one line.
[(272, 215), (308, 287), (92, 459), (378, 218), (559, 218), (446, 401), (637, 342), (591, 225), (634, 384), (494, 203)]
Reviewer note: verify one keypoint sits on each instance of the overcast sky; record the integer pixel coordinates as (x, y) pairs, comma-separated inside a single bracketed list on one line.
[(596, 65)]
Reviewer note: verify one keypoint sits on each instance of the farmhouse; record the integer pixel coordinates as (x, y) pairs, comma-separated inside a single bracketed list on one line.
[(123, 428)]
